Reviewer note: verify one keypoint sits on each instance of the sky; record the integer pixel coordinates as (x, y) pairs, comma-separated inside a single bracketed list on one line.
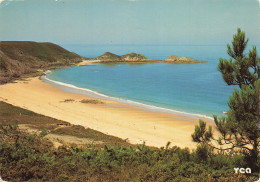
[(144, 22)]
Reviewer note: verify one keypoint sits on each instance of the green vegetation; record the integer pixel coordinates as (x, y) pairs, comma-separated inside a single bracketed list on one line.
[(29, 156), (240, 130), (23, 57), (81, 132)]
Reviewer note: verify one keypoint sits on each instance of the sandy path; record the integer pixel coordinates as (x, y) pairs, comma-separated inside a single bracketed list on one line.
[(113, 118)]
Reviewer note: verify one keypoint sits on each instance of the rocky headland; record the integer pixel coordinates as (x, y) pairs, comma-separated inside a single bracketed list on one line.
[(24, 57)]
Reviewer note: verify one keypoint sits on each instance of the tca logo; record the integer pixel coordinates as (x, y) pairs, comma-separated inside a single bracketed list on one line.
[(242, 170)]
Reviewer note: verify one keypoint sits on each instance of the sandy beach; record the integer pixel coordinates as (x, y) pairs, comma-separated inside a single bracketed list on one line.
[(87, 62), (118, 119)]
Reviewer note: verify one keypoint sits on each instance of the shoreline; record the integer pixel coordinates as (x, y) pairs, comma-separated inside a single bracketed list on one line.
[(85, 91), (122, 120)]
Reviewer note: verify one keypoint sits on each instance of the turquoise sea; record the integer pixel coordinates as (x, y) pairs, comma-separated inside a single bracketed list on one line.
[(190, 88)]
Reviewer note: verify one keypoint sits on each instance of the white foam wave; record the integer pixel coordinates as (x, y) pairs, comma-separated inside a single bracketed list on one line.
[(46, 72), (144, 106), (74, 87)]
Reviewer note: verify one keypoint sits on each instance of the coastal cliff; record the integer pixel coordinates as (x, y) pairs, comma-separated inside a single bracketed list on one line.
[(23, 57)]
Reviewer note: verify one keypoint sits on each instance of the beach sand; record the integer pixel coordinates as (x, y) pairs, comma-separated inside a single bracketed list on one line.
[(128, 122), (87, 62)]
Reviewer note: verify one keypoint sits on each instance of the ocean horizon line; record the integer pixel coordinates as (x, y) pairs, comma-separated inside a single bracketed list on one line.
[(127, 44)]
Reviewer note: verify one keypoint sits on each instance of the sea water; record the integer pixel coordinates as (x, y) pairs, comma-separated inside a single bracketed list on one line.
[(190, 88)]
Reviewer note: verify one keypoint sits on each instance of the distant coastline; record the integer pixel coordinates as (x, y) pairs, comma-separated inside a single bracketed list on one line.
[(27, 58)]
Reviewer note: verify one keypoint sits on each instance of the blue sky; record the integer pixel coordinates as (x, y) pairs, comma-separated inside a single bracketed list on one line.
[(129, 21)]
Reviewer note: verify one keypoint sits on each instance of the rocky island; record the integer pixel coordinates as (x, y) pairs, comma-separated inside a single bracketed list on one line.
[(132, 57), (178, 59), (108, 57)]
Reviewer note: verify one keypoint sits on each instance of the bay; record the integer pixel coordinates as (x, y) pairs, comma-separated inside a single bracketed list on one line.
[(191, 88)]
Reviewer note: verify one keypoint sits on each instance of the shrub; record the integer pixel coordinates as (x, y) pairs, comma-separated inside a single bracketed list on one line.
[(26, 157)]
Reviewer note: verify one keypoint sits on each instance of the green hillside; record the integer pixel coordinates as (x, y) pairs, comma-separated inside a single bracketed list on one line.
[(22, 57)]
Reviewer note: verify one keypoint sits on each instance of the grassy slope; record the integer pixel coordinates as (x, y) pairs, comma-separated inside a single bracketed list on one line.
[(10, 114), (23, 57)]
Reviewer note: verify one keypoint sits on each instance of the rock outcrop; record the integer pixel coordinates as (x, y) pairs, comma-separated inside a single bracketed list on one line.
[(178, 59), (109, 57), (133, 57), (130, 57)]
